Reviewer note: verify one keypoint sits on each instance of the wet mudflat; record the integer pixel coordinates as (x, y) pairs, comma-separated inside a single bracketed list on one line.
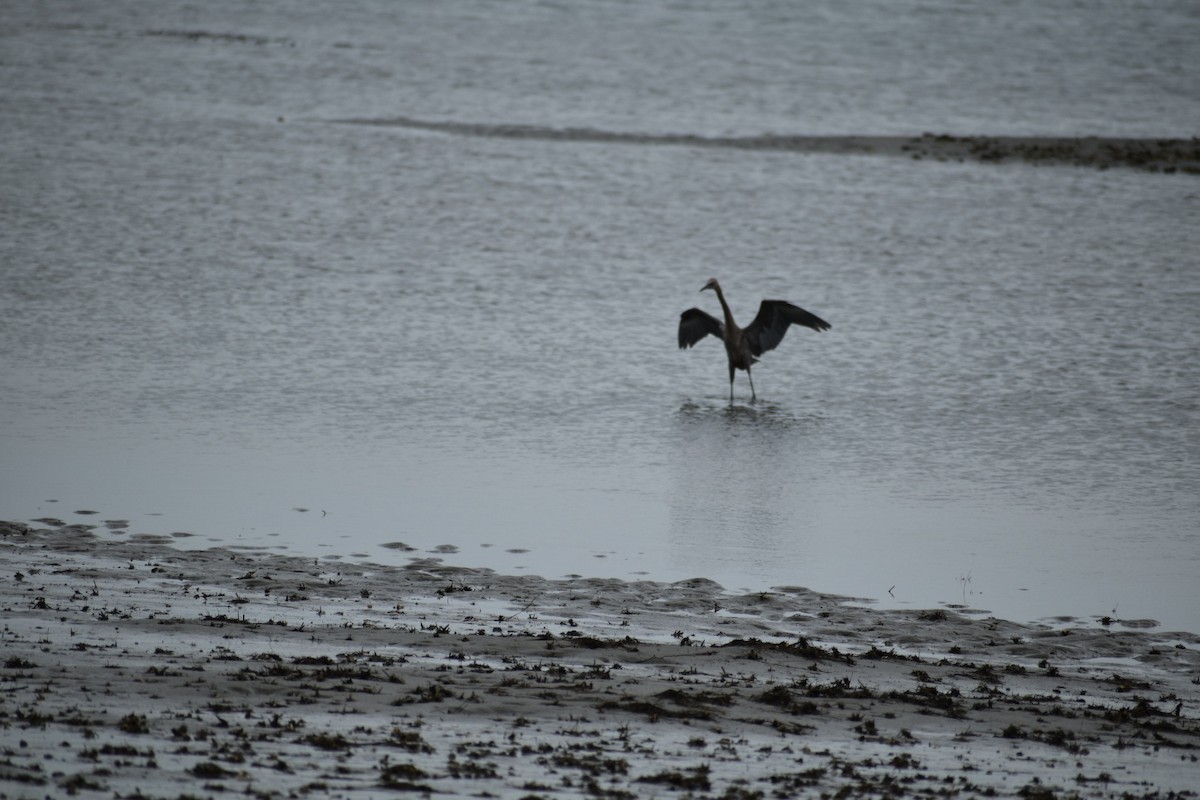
[(134, 669)]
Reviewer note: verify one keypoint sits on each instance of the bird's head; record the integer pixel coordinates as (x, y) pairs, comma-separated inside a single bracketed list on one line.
[(712, 284)]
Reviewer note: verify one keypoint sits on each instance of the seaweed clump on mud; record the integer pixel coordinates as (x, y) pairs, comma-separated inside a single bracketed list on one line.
[(801, 648)]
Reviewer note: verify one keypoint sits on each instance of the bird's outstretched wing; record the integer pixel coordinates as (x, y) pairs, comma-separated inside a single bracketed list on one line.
[(695, 324), (774, 316)]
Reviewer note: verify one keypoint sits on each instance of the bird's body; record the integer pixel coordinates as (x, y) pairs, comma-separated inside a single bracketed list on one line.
[(744, 345)]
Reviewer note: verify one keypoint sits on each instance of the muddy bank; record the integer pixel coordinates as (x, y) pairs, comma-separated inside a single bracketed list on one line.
[(136, 670)]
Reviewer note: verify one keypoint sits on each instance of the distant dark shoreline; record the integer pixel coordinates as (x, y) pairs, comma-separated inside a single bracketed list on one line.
[(1153, 155)]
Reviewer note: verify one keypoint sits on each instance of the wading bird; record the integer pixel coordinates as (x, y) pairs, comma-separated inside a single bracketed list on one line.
[(743, 346)]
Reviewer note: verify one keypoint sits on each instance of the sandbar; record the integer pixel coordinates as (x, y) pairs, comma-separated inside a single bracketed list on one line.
[(1162, 154)]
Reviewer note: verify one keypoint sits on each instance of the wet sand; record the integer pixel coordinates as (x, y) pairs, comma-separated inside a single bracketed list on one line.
[(134, 669), (1165, 155)]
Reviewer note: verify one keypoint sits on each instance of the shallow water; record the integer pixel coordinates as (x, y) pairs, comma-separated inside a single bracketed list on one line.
[(225, 312)]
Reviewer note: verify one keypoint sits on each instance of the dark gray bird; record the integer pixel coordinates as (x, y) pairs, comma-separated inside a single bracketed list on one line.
[(743, 346)]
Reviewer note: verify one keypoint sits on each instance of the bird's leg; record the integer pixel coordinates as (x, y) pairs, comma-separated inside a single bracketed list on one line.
[(731, 374), (753, 396)]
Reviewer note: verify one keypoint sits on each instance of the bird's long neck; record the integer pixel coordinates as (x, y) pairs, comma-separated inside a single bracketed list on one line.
[(729, 323)]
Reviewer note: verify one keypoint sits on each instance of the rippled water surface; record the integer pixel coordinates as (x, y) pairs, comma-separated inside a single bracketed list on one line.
[(228, 312)]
